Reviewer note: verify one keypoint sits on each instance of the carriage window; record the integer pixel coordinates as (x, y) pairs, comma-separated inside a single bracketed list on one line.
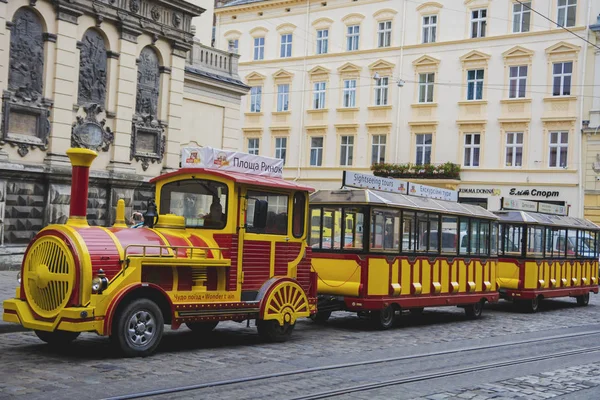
[(385, 230), (449, 234), (354, 220), (408, 232), (277, 213), (434, 231), (203, 203), (494, 239), (464, 236), (484, 238), (475, 236), (512, 236), (571, 243), (298, 216), (315, 228), (535, 240), (422, 232)]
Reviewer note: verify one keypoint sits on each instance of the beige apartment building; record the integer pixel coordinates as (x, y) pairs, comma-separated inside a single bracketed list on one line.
[(490, 85)]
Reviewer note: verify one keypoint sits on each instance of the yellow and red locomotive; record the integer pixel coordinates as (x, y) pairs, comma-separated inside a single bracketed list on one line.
[(217, 245)]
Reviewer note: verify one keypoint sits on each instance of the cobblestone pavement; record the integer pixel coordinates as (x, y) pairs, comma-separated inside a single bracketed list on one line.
[(91, 369)]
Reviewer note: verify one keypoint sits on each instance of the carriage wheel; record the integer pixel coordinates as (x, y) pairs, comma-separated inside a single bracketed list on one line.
[(321, 316), (202, 327), (530, 306), (57, 338), (583, 300), (284, 304), (474, 310), (384, 318)]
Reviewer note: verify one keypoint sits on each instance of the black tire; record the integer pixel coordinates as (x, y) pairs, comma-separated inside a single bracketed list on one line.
[(529, 306), (271, 331), (321, 316), (384, 318), (139, 328), (202, 327), (417, 311), (57, 338), (583, 300), (474, 310)]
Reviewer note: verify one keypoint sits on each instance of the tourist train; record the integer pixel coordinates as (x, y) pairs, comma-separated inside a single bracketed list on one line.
[(227, 238)]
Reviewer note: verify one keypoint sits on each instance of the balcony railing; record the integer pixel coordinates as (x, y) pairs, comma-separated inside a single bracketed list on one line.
[(214, 61)]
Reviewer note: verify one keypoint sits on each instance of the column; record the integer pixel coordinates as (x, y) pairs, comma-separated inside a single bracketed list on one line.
[(66, 66), (174, 110)]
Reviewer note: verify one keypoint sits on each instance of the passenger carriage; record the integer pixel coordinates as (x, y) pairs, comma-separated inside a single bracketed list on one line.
[(225, 241), (401, 252), (545, 256)]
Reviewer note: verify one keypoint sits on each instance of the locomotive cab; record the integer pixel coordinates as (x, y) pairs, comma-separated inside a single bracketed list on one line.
[(217, 244)]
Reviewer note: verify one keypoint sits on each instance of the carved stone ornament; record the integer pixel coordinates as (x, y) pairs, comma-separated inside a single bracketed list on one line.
[(146, 102), (147, 141), (134, 6), (176, 20), (92, 69), (25, 112), (596, 165), (155, 13), (90, 132)]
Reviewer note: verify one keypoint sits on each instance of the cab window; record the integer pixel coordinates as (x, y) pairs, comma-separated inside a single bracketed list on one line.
[(277, 213), (299, 211), (203, 203)]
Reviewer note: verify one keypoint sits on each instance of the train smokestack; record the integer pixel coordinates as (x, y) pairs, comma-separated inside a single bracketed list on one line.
[(81, 160)]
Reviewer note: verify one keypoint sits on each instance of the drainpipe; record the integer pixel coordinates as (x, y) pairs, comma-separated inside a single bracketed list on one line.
[(399, 102), (303, 94), (581, 100)]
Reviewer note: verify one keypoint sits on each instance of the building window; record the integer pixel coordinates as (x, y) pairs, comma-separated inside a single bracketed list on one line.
[(349, 95), (426, 87), (566, 12), (286, 45), (475, 84), (255, 98), (514, 149), (562, 73), (521, 16), (384, 34), (316, 151), (423, 148), (233, 45), (253, 144), (378, 149), (280, 148), (322, 41), (347, 150), (259, 48), (319, 95), (381, 91), (478, 22), (518, 82), (352, 37), (429, 28), (472, 148), (559, 146), (283, 97)]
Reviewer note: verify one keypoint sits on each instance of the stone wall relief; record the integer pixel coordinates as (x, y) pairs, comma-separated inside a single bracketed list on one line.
[(90, 130), (147, 139), (26, 112)]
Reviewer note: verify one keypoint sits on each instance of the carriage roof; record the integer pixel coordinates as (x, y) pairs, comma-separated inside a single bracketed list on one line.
[(532, 218)]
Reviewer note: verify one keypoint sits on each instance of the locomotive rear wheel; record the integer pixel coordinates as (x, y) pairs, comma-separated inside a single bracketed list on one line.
[(583, 300), (384, 318), (57, 338), (271, 331), (139, 328), (202, 327), (474, 310)]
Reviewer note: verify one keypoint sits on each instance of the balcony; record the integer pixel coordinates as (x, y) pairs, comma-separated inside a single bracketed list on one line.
[(214, 64)]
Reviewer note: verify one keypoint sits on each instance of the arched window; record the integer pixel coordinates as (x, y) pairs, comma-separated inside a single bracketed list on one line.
[(26, 70), (148, 83), (92, 69)]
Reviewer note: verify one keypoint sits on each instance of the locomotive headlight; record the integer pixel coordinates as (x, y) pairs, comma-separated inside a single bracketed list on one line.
[(19, 277), (99, 282)]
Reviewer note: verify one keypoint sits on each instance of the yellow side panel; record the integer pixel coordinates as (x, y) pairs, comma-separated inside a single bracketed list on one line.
[(396, 272), (462, 276), (531, 275), (405, 275), (507, 275), (379, 277), (337, 277), (445, 274), (426, 278), (478, 276)]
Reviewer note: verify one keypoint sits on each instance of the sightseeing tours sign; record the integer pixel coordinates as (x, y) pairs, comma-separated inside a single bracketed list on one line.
[(234, 161)]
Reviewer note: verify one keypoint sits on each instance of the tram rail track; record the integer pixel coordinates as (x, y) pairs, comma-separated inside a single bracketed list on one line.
[(392, 382)]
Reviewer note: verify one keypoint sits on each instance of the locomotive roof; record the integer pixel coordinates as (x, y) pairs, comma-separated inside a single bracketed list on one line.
[(532, 218), (380, 198), (256, 180)]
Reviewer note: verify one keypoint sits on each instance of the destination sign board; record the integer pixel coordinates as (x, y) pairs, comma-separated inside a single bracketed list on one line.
[(226, 160)]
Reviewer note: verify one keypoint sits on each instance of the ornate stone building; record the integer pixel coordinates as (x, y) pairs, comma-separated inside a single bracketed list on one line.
[(123, 77)]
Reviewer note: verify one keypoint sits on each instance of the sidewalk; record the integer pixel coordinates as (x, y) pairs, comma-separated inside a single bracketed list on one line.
[(8, 284), (11, 258)]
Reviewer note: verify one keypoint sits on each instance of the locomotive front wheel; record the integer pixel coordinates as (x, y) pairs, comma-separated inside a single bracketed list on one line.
[(384, 318), (202, 327), (583, 300), (474, 310), (57, 338), (271, 331), (321, 316), (139, 328)]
